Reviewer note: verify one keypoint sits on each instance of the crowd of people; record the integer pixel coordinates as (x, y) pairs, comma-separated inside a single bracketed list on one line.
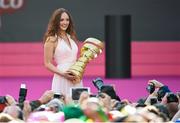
[(161, 105)]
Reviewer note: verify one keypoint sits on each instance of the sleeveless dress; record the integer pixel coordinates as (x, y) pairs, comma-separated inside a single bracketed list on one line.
[(65, 56)]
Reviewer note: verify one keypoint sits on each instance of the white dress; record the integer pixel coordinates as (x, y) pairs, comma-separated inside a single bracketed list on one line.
[(64, 56)]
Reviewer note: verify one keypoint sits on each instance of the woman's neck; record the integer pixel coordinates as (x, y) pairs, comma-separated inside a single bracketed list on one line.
[(63, 33)]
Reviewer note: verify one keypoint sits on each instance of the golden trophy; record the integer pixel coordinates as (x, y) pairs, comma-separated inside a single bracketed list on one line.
[(91, 48)]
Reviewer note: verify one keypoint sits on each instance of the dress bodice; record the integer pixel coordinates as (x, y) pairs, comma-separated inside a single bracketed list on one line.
[(64, 54)]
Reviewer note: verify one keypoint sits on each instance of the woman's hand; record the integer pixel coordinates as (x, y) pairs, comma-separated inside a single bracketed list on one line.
[(69, 76)]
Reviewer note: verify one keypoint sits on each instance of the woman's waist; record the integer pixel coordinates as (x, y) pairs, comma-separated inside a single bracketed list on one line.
[(65, 66)]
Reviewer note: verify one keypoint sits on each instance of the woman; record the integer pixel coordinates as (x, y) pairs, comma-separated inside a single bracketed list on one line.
[(60, 44)]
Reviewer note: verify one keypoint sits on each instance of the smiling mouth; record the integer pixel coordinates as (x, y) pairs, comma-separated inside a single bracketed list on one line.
[(64, 26)]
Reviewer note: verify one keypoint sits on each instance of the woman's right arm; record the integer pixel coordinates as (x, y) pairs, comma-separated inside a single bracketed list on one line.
[(49, 48)]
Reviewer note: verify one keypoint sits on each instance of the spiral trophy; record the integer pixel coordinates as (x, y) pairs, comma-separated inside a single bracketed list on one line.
[(91, 48)]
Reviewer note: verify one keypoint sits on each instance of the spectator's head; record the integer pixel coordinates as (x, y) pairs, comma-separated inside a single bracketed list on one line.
[(163, 111), (72, 111), (14, 111), (45, 116), (171, 101), (109, 90), (172, 108), (55, 105), (132, 118), (105, 101), (150, 113), (171, 97), (5, 117), (3, 102)]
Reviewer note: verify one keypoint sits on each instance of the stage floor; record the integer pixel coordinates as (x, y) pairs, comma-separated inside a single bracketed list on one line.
[(131, 89)]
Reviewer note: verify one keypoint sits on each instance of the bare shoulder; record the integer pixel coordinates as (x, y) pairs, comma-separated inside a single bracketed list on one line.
[(51, 43), (51, 39)]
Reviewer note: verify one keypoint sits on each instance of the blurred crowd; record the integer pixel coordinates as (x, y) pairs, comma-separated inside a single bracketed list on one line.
[(161, 105)]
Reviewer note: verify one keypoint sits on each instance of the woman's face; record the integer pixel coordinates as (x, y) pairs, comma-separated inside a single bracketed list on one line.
[(64, 21)]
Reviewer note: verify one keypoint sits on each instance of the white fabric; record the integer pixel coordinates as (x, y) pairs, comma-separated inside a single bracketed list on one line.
[(64, 56)]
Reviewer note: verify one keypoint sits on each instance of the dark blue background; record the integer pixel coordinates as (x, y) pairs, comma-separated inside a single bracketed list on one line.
[(152, 20)]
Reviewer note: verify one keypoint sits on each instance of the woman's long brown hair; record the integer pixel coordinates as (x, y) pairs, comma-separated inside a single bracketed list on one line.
[(54, 22)]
